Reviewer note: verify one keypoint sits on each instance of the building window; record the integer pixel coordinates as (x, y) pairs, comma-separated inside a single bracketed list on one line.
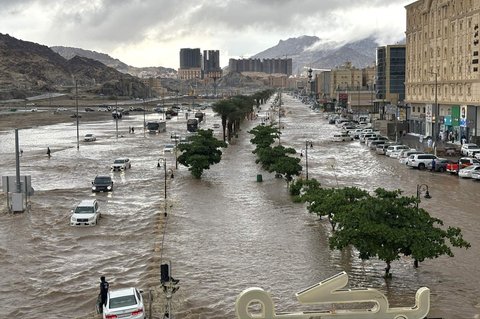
[(475, 61), (475, 69)]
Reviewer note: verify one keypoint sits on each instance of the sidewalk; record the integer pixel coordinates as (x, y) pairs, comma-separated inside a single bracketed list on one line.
[(413, 140)]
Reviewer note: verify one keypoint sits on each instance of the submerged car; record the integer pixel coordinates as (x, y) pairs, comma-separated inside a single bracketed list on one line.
[(86, 213), (121, 164), (168, 148), (126, 303), (89, 137), (102, 184)]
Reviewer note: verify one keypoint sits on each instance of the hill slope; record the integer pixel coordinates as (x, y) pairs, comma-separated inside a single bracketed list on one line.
[(28, 69), (69, 52), (311, 51)]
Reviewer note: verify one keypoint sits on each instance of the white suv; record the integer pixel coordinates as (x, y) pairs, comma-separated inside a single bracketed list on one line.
[(420, 161), (121, 164), (469, 149), (85, 214)]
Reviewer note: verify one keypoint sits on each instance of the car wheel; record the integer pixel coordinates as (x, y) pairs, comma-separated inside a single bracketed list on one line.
[(421, 166), (441, 169)]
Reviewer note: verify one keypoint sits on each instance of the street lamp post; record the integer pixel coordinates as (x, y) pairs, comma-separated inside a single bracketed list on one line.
[(306, 156), (422, 188), (164, 160), (144, 123), (435, 129), (76, 103)]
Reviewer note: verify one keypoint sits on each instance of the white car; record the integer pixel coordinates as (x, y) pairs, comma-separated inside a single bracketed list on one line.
[(469, 149), (89, 137), (168, 148), (420, 161), (476, 175), (468, 171), (121, 164), (126, 303), (86, 213), (394, 150), (403, 156)]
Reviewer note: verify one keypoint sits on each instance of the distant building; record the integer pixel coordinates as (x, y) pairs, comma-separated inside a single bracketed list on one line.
[(211, 64), (350, 87), (269, 66), (190, 64), (390, 78)]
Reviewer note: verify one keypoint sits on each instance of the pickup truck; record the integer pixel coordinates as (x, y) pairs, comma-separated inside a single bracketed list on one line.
[(463, 162)]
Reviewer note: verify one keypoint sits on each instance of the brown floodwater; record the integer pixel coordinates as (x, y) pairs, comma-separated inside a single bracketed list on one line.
[(225, 232)]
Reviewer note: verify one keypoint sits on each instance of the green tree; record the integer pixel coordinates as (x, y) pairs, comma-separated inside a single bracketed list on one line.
[(388, 226), (202, 151), (224, 108), (264, 136)]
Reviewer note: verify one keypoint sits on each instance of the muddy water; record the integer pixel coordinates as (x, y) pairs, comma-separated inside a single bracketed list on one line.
[(225, 232)]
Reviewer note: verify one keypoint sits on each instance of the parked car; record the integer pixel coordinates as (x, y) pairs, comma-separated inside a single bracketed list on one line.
[(467, 171), (369, 140), (394, 150), (373, 144), (89, 109), (86, 213), (382, 148), (364, 137), (403, 156), (420, 161), (125, 303), (102, 184), (468, 149), (342, 137), (463, 162), (121, 164), (476, 175), (89, 137), (440, 165)]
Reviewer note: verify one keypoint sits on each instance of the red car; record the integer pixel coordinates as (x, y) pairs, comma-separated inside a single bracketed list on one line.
[(463, 162)]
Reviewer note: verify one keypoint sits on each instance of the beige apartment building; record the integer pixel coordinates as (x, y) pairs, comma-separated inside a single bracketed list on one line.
[(351, 87), (442, 68)]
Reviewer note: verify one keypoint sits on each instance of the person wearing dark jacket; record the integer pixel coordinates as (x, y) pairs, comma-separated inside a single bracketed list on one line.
[(104, 285)]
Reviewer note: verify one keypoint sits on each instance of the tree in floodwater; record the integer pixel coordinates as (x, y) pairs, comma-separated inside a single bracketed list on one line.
[(264, 136), (276, 159), (388, 226), (201, 152)]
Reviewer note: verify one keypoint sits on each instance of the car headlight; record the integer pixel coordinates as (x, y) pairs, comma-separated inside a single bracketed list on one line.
[(94, 187), (109, 187)]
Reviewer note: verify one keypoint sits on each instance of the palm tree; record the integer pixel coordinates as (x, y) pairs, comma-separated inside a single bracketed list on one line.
[(224, 108)]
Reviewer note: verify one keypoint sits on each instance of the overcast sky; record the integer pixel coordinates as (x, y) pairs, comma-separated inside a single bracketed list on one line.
[(151, 32)]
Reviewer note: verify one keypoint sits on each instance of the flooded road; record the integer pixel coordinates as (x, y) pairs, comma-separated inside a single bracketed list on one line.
[(225, 232)]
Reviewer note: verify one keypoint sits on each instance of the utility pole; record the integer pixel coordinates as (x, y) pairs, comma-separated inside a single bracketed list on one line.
[(76, 103)]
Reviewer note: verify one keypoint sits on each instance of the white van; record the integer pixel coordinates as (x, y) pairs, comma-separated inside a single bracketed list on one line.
[(85, 214)]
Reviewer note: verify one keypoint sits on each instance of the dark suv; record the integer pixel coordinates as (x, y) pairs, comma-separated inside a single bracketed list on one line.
[(102, 184)]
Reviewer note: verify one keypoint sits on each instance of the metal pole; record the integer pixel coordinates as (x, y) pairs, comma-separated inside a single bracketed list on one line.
[(165, 191), (76, 103), (436, 129), (306, 158), (176, 159), (116, 116), (17, 163), (144, 123)]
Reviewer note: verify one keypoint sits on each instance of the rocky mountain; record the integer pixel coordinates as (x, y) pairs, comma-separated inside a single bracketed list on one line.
[(311, 51), (69, 52), (28, 69)]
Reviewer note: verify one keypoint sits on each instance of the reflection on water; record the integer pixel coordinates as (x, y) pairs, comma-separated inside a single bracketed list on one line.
[(225, 232)]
